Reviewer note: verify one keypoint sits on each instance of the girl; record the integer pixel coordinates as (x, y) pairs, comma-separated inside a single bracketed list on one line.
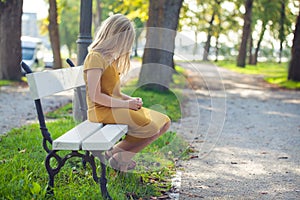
[(107, 59)]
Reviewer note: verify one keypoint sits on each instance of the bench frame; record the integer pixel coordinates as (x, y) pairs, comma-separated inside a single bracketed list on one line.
[(86, 157)]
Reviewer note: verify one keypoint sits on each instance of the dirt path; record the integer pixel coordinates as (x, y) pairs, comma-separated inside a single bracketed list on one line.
[(17, 107), (246, 137)]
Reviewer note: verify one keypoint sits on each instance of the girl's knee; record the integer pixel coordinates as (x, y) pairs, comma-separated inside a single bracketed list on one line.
[(165, 127)]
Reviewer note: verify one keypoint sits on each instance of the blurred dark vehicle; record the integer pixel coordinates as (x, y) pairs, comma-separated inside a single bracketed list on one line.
[(32, 53)]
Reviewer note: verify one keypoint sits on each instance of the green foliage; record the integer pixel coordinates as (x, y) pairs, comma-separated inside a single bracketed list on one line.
[(273, 73), (133, 9), (69, 24)]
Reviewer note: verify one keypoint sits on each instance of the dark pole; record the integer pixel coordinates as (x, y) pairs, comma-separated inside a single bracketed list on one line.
[(84, 40)]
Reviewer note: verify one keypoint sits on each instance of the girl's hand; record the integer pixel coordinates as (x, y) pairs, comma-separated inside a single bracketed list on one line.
[(135, 103)]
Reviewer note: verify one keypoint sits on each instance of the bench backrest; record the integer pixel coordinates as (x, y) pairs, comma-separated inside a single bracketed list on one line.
[(50, 82)]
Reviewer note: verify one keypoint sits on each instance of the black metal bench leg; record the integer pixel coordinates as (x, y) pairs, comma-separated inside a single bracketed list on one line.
[(87, 153), (52, 172), (103, 182), (50, 185)]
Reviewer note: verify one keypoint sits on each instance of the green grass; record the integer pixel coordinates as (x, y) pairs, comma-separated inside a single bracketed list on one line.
[(64, 112), (13, 83), (23, 174), (273, 73), (6, 82)]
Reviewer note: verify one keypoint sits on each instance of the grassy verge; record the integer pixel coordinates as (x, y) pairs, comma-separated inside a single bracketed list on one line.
[(23, 175), (12, 83), (273, 73), (8, 83), (5, 82)]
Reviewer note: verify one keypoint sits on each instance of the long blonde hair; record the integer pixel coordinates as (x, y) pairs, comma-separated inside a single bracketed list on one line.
[(114, 41)]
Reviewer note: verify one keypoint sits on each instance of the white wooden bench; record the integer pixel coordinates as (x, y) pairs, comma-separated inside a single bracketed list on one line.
[(86, 136)]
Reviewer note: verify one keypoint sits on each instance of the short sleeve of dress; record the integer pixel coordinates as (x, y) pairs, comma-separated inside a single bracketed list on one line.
[(94, 60)]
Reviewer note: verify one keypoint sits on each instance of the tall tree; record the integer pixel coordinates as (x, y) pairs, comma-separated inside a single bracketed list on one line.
[(216, 10), (156, 72), (241, 61), (10, 39), (54, 34), (282, 27), (263, 13), (294, 67)]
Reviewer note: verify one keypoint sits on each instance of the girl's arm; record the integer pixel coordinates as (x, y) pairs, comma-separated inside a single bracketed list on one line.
[(125, 96), (95, 94)]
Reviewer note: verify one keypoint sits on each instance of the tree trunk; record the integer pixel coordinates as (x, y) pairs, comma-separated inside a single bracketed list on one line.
[(54, 34), (294, 67), (281, 31), (209, 35), (157, 67), (241, 61), (10, 39), (251, 55), (217, 48), (258, 44), (195, 49)]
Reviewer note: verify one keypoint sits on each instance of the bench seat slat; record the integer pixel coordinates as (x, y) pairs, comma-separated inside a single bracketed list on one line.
[(72, 139), (105, 138)]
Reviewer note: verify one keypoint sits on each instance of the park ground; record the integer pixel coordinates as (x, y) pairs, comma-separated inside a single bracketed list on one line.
[(245, 134)]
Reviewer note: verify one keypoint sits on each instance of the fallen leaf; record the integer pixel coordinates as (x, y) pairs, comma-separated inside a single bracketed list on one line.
[(283, 157), (22, 151), (264, 192), (193, 156), (164, 197)]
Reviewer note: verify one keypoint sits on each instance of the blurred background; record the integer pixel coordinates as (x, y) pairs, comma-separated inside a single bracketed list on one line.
[(243, 31)]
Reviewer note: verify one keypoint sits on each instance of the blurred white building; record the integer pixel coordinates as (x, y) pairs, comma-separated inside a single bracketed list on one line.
[(29, 25)]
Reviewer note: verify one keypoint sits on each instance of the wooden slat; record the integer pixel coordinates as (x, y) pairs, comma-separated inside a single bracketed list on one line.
[(50, 82), (105, 138), (72, 139)]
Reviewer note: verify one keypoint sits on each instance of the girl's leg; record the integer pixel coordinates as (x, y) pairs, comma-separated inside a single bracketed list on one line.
[(126, 149)]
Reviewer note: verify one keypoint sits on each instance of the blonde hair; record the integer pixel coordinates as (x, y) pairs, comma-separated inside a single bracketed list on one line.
[(114, 41)]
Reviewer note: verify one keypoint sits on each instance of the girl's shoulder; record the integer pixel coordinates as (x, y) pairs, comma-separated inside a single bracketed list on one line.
[(95, 60)]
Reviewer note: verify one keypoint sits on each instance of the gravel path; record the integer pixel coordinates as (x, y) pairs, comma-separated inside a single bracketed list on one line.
[(17, 107), (246, 137)]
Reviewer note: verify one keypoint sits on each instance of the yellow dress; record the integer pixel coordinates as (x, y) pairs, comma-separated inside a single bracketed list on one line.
[(142, 123)]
